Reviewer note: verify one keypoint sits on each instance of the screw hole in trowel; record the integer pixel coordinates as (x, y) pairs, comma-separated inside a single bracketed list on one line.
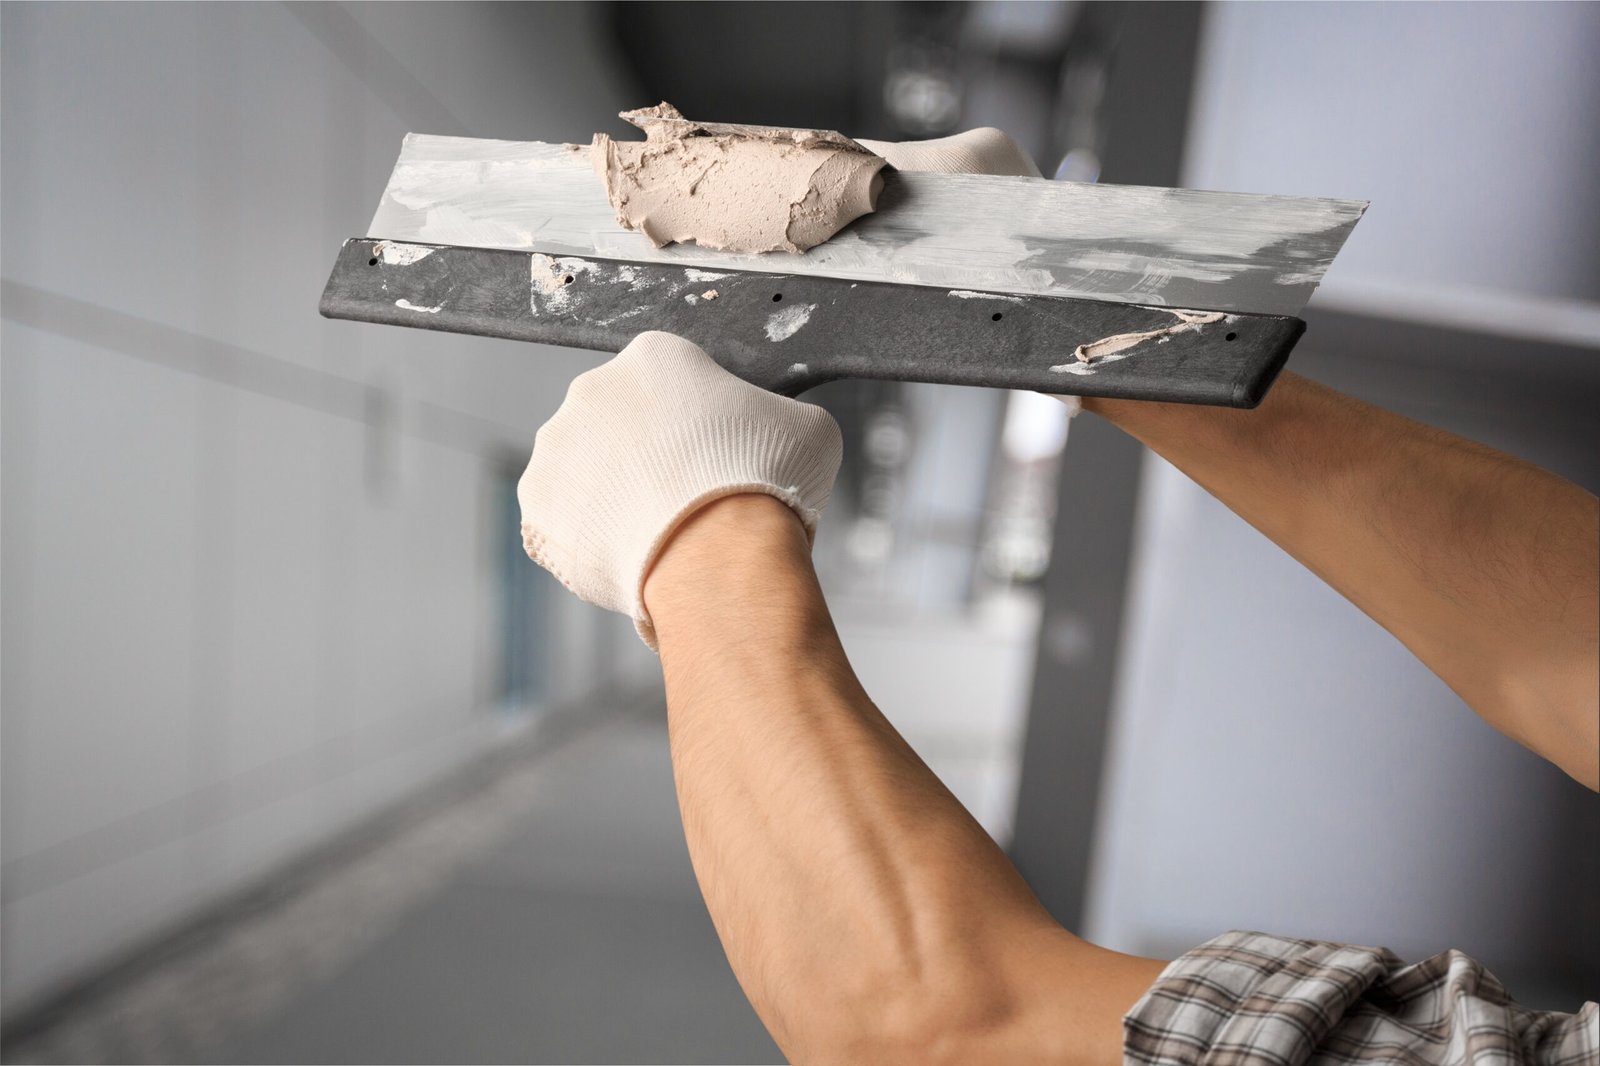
[(372, 262), (997, 316), (566, 279), (777, 296), (1231, 337)]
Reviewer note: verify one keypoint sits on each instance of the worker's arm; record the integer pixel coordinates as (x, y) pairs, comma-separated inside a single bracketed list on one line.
[(1486, 567), (867, 916)]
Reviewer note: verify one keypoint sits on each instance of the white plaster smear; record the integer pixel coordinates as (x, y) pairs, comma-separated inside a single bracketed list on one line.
[(450, 224), (786, 323), (553, 279), (967, 294), (552, 276), (406, 305), (1110, 349), (393, 253)]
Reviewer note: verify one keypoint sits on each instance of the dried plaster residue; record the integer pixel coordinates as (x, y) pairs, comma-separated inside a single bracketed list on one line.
[(735, 188), (1188, 321)]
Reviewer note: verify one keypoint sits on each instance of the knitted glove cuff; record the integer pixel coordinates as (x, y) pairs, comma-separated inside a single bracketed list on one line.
[(643, 443)]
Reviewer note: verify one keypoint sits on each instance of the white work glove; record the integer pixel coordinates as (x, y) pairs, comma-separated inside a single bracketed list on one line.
[(643, 442)]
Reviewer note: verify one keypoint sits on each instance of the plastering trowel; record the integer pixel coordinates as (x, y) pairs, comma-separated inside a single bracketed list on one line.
[(1020, 283)]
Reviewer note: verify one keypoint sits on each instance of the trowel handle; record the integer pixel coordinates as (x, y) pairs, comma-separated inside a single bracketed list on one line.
[(788, 333)]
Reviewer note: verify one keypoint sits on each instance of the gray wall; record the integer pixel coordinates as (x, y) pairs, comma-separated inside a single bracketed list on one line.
[(1278, 761), (251, 587), (1474, 129)]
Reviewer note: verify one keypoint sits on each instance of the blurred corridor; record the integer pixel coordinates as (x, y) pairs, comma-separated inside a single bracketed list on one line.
[(540, 910), (302, 759)]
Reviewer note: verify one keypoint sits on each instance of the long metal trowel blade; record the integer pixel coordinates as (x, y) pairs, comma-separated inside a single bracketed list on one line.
[(1028, 236)]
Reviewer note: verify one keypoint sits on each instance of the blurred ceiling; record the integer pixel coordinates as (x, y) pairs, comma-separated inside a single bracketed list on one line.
[(821, 65)]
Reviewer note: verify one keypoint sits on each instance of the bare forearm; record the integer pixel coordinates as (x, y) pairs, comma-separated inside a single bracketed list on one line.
[(864, 911), (1484, 566)]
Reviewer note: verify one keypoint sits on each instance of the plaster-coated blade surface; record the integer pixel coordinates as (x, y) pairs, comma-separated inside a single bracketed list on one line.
[(1029, 236)]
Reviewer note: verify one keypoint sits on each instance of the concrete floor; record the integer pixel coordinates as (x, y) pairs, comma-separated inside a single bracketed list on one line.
[(577, 936), (540, 909)]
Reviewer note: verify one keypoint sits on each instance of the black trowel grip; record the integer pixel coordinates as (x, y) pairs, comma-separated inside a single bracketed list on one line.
[(788, 333)]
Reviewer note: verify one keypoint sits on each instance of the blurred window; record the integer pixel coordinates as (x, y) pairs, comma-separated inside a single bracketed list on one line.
[(525, 593)]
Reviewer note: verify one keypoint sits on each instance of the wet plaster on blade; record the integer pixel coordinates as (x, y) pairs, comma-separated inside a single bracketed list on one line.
[(1110, 349), (1025, 236), (734, 188)]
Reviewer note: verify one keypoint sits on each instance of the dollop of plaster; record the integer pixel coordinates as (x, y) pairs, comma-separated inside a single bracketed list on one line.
[(735, 188)]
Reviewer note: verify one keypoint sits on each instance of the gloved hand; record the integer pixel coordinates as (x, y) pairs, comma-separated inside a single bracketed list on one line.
[(644, 441)]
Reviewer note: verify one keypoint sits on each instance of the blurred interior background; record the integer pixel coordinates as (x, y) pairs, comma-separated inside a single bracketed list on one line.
[(304, 761)]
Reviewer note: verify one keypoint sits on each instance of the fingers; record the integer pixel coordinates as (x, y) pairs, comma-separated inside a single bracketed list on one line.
[(643, 440)]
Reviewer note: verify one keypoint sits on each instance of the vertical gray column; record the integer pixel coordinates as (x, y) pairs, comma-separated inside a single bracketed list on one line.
[(1146, 114)]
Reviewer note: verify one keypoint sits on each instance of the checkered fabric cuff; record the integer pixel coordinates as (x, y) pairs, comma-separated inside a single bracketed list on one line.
[(1251, 999)]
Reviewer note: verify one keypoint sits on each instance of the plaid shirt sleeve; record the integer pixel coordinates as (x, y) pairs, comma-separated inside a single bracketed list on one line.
[(1249, 999)]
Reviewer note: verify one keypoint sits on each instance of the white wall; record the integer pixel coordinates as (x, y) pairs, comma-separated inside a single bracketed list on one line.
[(1278, 761), (242, 606)]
